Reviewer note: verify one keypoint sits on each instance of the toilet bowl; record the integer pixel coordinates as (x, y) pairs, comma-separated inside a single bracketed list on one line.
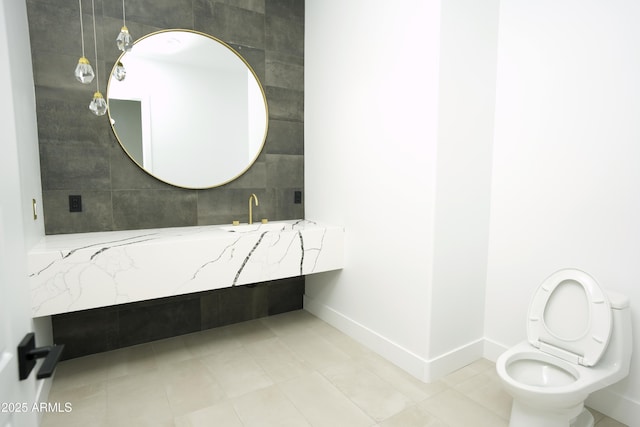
[(579, 341)]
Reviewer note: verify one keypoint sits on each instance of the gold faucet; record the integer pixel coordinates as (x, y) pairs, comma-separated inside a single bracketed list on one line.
[(252, 197)]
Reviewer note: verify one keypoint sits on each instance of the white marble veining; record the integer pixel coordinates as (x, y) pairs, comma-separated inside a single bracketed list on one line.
[(79, 271)]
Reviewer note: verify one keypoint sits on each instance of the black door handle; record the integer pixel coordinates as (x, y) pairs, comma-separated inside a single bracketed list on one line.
[(28, 353)]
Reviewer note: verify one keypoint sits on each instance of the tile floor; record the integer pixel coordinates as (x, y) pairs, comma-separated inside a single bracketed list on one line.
[(286, 370)]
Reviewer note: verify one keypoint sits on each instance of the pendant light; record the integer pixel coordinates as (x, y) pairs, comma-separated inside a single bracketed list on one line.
[(98, 105), (84, 73), (124, 40)]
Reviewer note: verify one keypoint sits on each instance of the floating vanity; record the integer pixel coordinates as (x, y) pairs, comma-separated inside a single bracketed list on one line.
[(73, 272)]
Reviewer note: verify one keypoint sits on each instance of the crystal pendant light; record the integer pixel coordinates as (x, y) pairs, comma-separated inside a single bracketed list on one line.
[(119, 72), (98, 105), (124, 40), (84, 73)]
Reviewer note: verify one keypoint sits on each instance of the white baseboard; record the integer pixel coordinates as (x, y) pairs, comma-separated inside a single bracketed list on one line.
[(616, 406), (405, 359), (416, 365), (493, 349), (606, 401), (455, 359)]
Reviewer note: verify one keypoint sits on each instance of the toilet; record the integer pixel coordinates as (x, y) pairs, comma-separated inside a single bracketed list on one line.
[(579, 341)]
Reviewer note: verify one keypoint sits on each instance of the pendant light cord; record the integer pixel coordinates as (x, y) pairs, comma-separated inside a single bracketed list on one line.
[(124, 21), (81, 27), (95, 43)]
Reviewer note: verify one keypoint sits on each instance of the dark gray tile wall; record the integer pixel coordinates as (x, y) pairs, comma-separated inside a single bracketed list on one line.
[(103, 329), (80, 155)]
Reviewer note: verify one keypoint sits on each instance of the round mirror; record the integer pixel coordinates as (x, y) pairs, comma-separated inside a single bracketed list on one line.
[(189, 110)]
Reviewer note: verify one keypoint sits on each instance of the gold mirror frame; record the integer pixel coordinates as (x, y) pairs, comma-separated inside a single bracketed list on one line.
[(237, 62)]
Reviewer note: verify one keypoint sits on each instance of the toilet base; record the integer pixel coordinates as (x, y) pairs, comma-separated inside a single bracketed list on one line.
[(585, 419), (526, 416)]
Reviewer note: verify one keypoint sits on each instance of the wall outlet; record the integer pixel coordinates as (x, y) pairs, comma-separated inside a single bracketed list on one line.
[(75, 203), (297, 197)]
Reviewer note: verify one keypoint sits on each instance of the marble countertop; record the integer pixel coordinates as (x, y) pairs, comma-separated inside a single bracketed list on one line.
[(73, 272)]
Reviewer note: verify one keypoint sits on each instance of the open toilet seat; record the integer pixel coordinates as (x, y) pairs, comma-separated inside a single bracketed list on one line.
[(571, 351), (570, 317)]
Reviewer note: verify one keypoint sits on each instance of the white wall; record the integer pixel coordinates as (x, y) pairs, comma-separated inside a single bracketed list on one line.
[(467, 81), (399, 107), (371, 100), (456, 210), (20, 184), (566, 172)]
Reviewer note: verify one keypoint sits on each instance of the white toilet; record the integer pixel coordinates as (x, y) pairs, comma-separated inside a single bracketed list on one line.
[(579, 341)]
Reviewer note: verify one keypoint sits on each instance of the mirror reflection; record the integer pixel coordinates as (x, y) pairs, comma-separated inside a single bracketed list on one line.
[(190, 111)]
